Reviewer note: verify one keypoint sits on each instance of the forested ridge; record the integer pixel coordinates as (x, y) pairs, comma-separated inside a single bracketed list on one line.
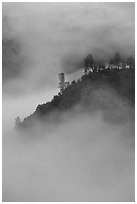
[(120, 81)]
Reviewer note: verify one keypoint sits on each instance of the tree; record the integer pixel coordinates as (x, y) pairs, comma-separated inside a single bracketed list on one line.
[(117, 59), (111, 61), (88, 62), (101, 65), (73, 82), (131, 61)]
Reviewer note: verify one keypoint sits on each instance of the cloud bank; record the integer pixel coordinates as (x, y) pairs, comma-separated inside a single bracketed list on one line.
[(43, 39), (87, 156), (84, 159)]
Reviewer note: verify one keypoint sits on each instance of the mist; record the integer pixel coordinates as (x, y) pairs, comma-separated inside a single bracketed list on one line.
[(84, 157), (88, 154), (44, 39), (40, 40)]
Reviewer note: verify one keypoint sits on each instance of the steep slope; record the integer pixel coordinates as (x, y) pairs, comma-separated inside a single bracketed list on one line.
[(109, 90)]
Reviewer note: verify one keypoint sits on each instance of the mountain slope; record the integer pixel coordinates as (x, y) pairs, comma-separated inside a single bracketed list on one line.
[(108, 89)]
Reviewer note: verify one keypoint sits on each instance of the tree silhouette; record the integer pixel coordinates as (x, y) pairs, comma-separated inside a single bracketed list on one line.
[(88, 62), (131, 61), (116, 59)]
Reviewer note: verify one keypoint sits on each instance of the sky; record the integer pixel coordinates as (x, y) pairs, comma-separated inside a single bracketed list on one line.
[(40, 40)]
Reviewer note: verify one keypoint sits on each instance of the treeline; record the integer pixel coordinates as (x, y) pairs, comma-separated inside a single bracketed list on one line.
[(96, 76), (122, 81), (115, 62)]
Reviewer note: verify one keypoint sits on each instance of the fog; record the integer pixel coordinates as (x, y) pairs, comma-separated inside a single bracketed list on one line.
[(44, 39), (87, 156), (22, 106), (40, 40)]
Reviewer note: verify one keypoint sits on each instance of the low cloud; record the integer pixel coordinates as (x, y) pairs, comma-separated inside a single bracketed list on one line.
[(87, 156), (56, 37)]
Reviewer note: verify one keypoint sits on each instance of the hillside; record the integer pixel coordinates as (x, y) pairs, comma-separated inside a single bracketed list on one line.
[(103, 90)]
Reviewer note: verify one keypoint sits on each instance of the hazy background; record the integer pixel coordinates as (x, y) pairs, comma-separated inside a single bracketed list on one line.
[(42, 39), (87, 157)]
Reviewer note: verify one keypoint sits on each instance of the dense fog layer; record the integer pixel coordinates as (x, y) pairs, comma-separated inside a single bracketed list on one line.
[(87, 157)]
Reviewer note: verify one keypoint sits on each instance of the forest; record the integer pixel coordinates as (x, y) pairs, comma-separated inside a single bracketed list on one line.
[(117, 77)]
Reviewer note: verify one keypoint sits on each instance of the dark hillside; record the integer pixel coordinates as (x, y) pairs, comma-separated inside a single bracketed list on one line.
[(93, 90)]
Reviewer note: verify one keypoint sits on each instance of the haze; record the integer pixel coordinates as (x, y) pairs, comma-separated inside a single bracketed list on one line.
[(41, 40), (86, 158)]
